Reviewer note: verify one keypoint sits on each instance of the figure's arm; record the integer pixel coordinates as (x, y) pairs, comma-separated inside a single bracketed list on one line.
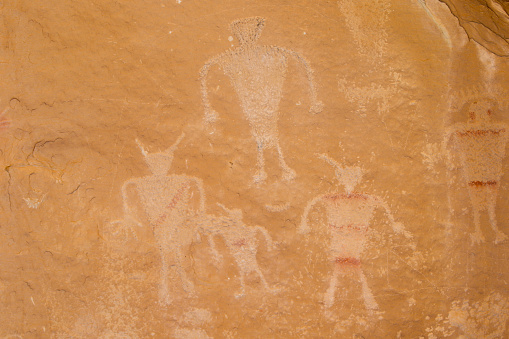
[(206, 225), (268, 238), (316, 105), (304, 227), (215, 254), (396, 226), (128, 213), (210, 114), (447, 138), (201, 191)]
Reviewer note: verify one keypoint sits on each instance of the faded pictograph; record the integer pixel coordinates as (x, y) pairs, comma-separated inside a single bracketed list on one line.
[(480, 146), (168, 201), (257, 74), (486, 318), (367, 23), (366, 20), (348, 218), (240, 239), (377, 94)]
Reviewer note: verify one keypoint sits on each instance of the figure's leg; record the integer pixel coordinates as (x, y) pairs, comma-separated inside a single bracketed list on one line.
[(288, 173), (186, 283), (477, 236), (329, 295), (262, 278), (499, 236), (164, 293), (260, 175), (242, 285), (478, 202), (369, 299)]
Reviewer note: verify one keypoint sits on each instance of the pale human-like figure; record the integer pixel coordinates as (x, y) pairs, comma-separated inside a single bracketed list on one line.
[(480, 144), (240, 239), (348, 218), (257, 74), (169, 201)]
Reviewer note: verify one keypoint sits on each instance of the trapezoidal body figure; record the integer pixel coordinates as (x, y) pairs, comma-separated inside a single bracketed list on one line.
[(348, 218), (257, 74), (240, 239), (169, 201), (480, 144)]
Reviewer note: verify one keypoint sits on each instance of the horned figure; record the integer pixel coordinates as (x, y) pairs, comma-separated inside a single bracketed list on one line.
[(239, 238), (169, 201), (481, 146), (348, 220), (257, 74)]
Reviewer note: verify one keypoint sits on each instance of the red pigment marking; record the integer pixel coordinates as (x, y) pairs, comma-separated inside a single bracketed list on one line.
[(482, 183), (240, 243), (5, 123), (347, 261), (354, 227), (480, 132), (176, 198), (335, 197)]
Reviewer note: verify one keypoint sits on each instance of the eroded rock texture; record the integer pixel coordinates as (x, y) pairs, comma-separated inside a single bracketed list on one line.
[(254, 169)]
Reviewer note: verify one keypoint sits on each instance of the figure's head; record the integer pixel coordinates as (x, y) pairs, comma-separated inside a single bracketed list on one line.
[(236, 214), (480, 110), (160, 162), (348, 176), (247, 30)]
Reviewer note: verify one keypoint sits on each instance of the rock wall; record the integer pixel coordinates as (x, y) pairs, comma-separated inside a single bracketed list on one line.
[(254, 169)]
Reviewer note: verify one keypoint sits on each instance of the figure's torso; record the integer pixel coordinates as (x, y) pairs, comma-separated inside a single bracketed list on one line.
[(242, 243), (257, 74), (348, 219), (482, 151), (165, 198)]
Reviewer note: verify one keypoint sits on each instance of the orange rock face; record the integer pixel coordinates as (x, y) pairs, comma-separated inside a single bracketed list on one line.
[(253, 169)]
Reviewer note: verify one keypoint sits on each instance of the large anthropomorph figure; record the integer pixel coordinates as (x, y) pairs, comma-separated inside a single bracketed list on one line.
[(169, 202), (348, 218), (257, 74), (480, 144)]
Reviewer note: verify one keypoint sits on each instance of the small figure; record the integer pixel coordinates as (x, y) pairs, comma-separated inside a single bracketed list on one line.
[(240, 239), (167, 201), (257, 73), (348, 217), (481, 146)]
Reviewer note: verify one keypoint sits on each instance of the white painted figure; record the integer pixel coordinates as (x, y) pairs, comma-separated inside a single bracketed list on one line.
[(169, 202), (480, 144), (257, 73), (349, 216), (240, 239)]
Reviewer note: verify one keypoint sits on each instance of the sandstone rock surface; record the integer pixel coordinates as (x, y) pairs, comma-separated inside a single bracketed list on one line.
[(254, 169)]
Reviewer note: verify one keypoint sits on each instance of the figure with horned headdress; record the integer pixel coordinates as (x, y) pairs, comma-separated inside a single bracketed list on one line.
[(257, 74), (348, 218), (481, 146), (169, 201)]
